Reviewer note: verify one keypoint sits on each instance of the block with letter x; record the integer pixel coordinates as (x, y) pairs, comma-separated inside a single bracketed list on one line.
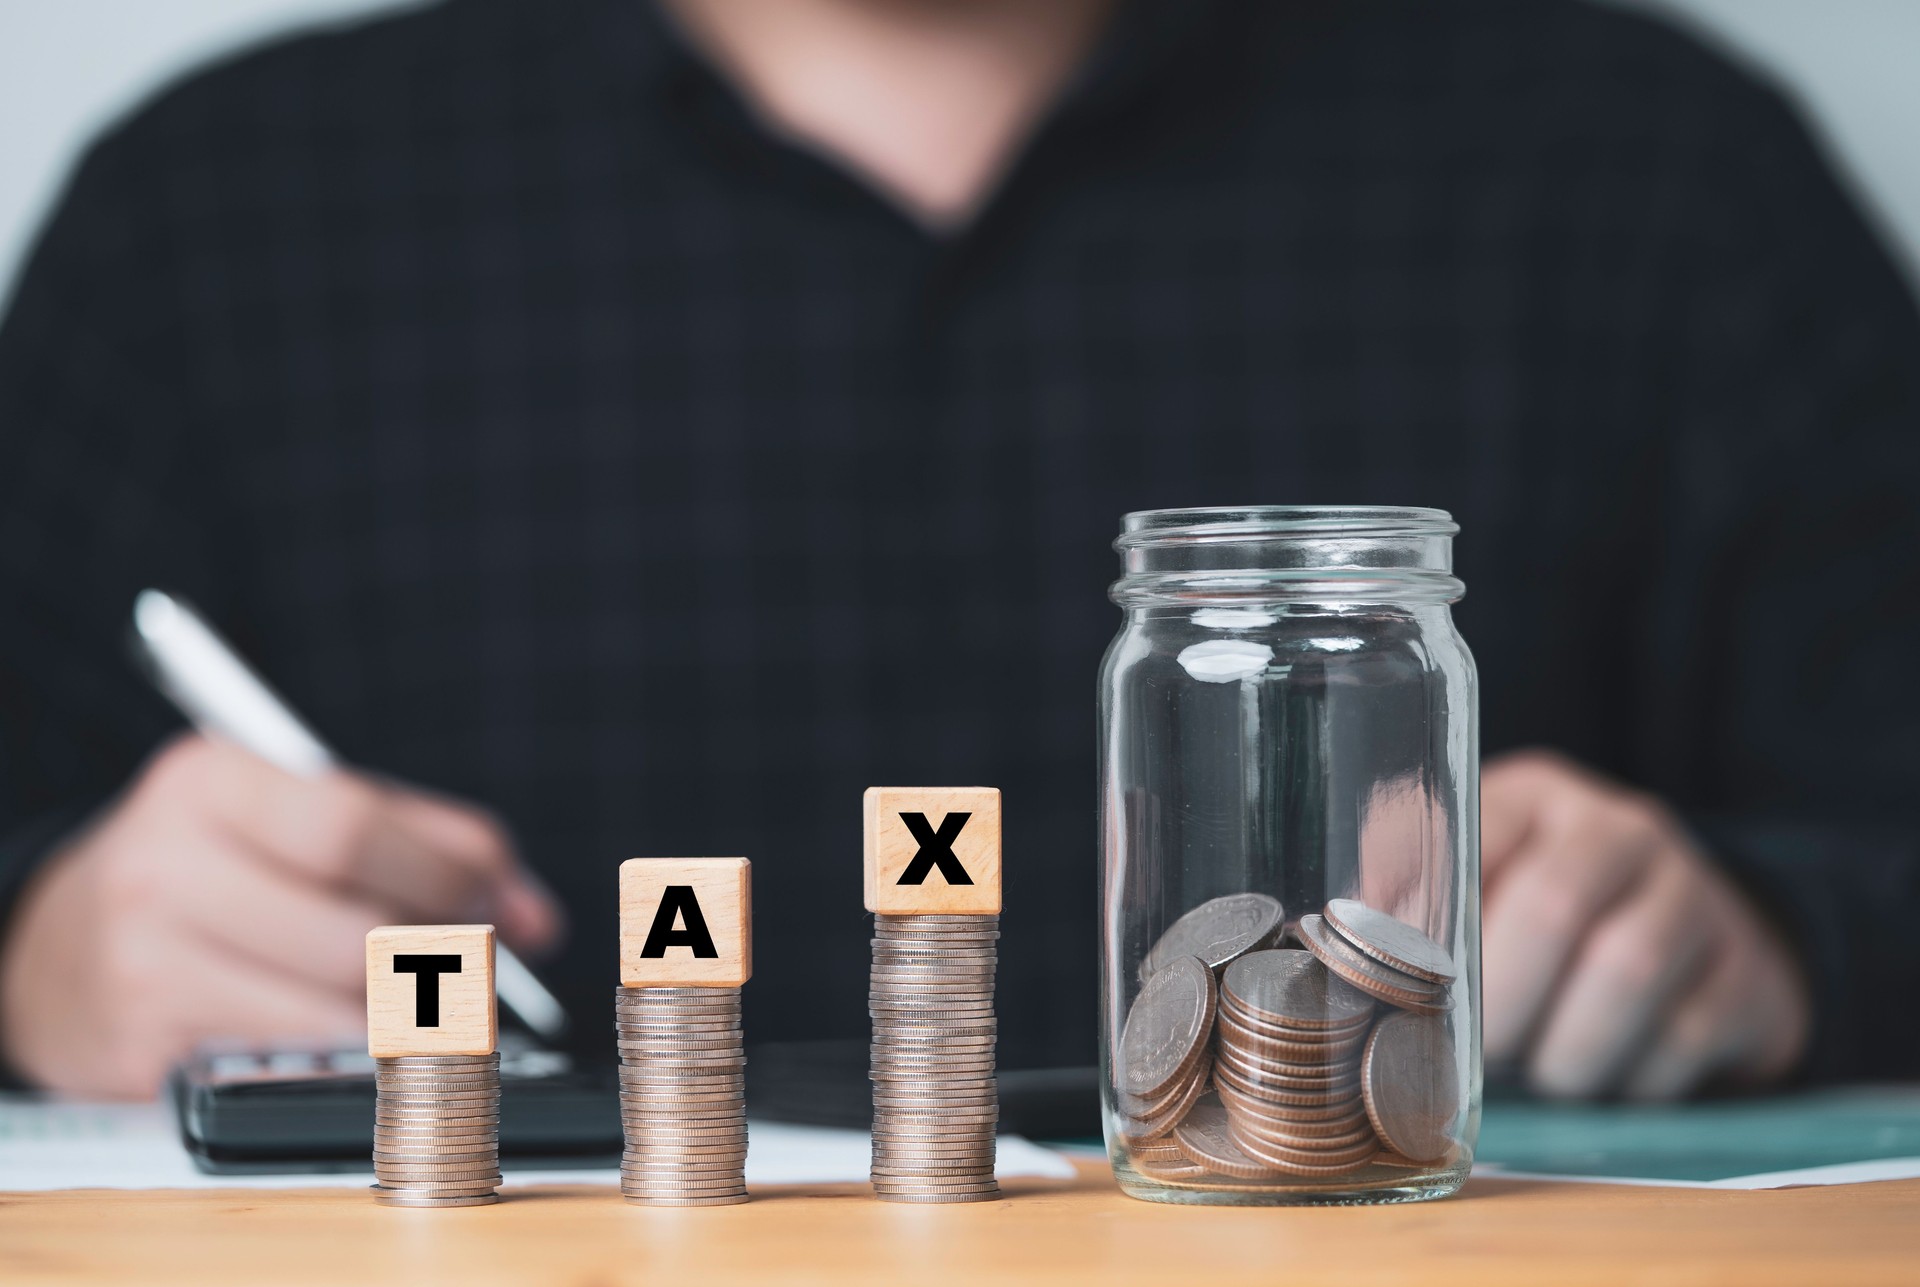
[(430, 991), (686, 922), (933, 851)]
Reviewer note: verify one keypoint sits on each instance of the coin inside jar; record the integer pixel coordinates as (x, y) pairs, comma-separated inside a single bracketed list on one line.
[(1411, 1086), (1372, 976), (1219, 931), (1167, 1027), (1391, 940), (1286, 986), (1205, 1139)]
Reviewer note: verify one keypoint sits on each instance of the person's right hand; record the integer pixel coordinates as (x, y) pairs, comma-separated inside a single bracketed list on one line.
[(221, 897)]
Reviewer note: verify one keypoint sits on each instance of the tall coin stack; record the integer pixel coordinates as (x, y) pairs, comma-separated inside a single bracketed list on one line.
[(1287, 1065), (935, 1104), (683, 1099), (436, 1131)]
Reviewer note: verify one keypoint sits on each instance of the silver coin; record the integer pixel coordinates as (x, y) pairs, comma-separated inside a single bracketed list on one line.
[(388, 1198), (447, 1195), (425, 1146), (466, 1181), (400, 1063), (633, 1186)]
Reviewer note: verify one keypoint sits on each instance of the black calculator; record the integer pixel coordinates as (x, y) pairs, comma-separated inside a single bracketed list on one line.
[(251, 1110)]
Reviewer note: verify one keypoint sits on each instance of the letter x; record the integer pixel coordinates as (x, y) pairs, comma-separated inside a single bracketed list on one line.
[(936, 849)]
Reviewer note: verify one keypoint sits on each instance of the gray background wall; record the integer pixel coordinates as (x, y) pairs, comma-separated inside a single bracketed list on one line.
[(69, 66)]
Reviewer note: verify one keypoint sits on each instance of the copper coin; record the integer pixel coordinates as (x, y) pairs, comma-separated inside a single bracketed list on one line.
[(1285, 1138), (1371, 976), (1345, 1128), (1167, 1027), (1249, 1053), (1178, 1168), (1280, 1075), (1204, 1138), (1286, 1050), (1410, 1084), (1322, 1043), (1139, 1107), (1225, 1077), (1288, 986), (1282, 1152), (1293, 1162), (1242, 1102), (1138, 1130), (1218, 931), (1389, 939)]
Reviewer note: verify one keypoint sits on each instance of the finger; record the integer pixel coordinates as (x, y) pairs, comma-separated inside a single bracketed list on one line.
[(1621, 983), (177, 989), (1697, 1038), (1555, 892), (1511, 788), (235, 997), (261, 913), (417, 859), (525, 911)]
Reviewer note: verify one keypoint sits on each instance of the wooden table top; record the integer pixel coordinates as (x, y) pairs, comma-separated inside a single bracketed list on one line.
[(1492, 1232)]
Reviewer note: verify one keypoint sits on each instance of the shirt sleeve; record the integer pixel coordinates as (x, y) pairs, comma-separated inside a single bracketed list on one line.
[(100, 494), (1782, 694)]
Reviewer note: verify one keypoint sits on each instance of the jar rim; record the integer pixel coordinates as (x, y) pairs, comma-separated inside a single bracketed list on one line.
[(1205, 523)]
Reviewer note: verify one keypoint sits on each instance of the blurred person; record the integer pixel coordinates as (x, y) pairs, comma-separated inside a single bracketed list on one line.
[(661, 422)]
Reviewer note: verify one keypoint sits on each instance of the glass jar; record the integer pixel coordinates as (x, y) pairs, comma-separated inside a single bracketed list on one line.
[(1290, 852)]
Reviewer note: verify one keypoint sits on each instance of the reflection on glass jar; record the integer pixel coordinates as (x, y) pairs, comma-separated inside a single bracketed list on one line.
[(1290, 859)]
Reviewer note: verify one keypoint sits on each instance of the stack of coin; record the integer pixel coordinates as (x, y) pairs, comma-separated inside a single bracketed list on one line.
[(1164, 1058), (1287, 1068), (683, 1099), (1382, 956), (436, 1130), (935, 1105)]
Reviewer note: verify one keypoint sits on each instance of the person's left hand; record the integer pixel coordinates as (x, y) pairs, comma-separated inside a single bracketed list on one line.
[(1618, 958)]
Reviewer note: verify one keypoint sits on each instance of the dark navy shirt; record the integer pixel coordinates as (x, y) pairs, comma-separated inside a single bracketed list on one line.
[(554, 434)]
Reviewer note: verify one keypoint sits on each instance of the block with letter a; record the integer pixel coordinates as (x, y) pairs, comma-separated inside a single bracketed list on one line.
[(686, 922), (933, 851), (430, 991)]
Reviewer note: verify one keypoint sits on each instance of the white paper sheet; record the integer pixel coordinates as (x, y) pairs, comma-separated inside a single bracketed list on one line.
[(134, 1146), (1888, 1168)]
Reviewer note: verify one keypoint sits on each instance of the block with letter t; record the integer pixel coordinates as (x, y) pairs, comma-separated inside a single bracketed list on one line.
[(933, 851), (686, 922), (430, 991)]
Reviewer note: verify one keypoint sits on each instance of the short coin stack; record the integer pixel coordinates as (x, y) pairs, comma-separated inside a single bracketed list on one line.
[(1287, 1065), (682, 1096), (935, 1104), (436, 1132)]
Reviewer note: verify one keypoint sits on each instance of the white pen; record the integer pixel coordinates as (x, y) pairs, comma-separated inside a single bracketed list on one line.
[(198, 672)]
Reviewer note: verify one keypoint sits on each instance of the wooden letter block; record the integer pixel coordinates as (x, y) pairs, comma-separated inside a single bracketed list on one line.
[(430, 990), (933, 851), (686, 922)]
